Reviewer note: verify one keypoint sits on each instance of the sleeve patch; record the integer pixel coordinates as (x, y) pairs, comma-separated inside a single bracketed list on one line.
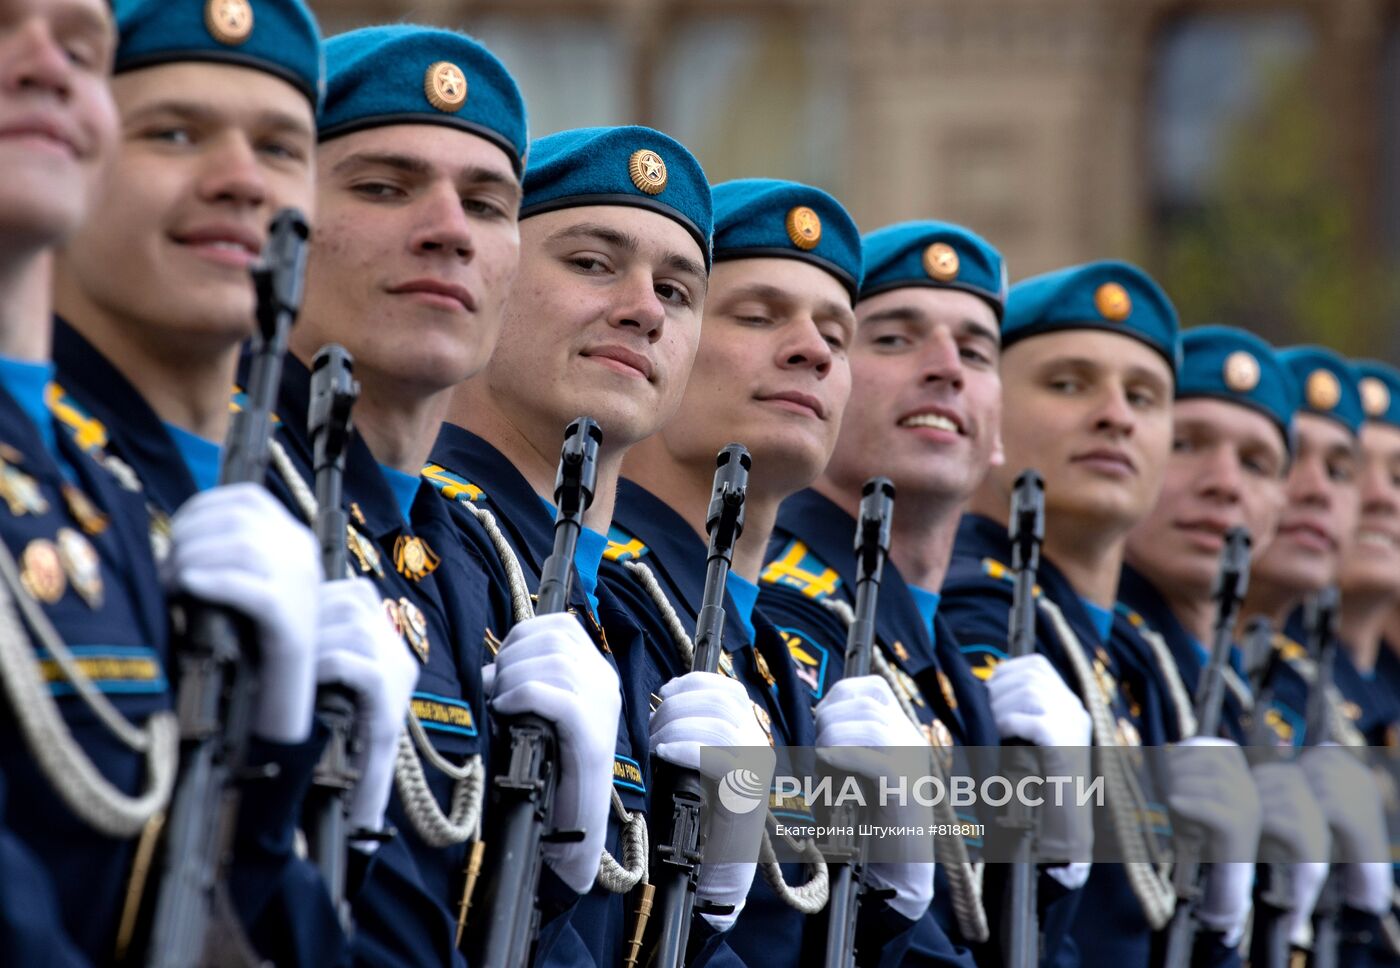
[(622, 546), (798, 568), (809, 658), (451, 486)]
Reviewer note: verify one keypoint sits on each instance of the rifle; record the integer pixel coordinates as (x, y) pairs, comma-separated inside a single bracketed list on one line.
[(1269, 943), (333, 393), (218, 647), (1231, 583), (872, 546), (1319, 622), (680, 842), (1026, 531), (523, 795)]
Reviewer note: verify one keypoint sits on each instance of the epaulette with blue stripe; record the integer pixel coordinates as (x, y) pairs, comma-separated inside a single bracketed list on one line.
[(623, 546), (451, 486), (1000, 572), (798, 568), (87, 431)]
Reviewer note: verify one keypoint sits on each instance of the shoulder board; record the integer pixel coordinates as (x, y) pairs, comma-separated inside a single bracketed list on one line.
[(238, 402), (87, 431), (1000, 572), (451, 486), (798, 568), (1295, 655), (623, 547)]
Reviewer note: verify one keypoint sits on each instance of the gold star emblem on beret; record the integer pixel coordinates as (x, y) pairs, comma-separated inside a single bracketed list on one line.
[(445, 86), (804, 227), (648, 171), (1113, 302), (1322, 390), (941, 262), (1375, 396), (229, 21), (1241, 371)]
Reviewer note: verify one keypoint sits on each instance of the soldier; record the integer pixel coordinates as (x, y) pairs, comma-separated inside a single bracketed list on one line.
[(772, 372), (925, 411), (422, 142), (603, 320), (218, 108), (1368, 582), (1316, 528), (1088, 368), (1232, 442), (91, 737)]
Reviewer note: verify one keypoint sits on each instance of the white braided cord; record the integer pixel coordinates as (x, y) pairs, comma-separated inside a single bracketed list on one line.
[(964, 875), (64, 763), (806, 898), (462, 822), (1149, 880)]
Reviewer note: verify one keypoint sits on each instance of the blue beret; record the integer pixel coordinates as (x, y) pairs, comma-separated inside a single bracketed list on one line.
[(936, 254), (407, 74), (630, 165), (1112, 296), (1238, 367), (1329, 384), (764, 217), (276, 36), (1380, 391)]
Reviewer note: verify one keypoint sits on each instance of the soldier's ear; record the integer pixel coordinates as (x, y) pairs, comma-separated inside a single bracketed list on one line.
[(998, 451)]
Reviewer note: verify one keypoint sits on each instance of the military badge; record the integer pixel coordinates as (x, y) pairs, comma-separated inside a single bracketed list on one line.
[(941, 262), (445, 86), (1241, 371), (415, 629), (413, 558), (1322, 390), (1375, 396), (648, 171), (804, 227), (84, 568), (20, 492), (366, 554), (229, 21), (41, 571), (1113, 302)]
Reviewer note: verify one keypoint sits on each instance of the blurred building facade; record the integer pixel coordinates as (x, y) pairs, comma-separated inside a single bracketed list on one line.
[(1247, 151)]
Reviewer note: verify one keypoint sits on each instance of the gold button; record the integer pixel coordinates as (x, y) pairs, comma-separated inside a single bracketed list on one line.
[(941, 262), (1323, 391), (1113, 302), (804, 227), (1241, 371), (1375, 397)]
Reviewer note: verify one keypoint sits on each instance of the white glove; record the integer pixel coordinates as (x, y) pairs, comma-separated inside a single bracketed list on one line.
[(1226, 900), (1368, 886), (1031, 701), (863, 712), (1293, 819), (1351, 801), (549, 667), (1305, 887), (1211, 787), (236, 546), (702, 709), (358, 648)]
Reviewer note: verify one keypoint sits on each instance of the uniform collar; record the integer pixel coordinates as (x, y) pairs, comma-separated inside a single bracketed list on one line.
[(137, 435), (378, 505), (981, 537), (677, 553), (521, 514), (1140, 595), (828, 532)]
